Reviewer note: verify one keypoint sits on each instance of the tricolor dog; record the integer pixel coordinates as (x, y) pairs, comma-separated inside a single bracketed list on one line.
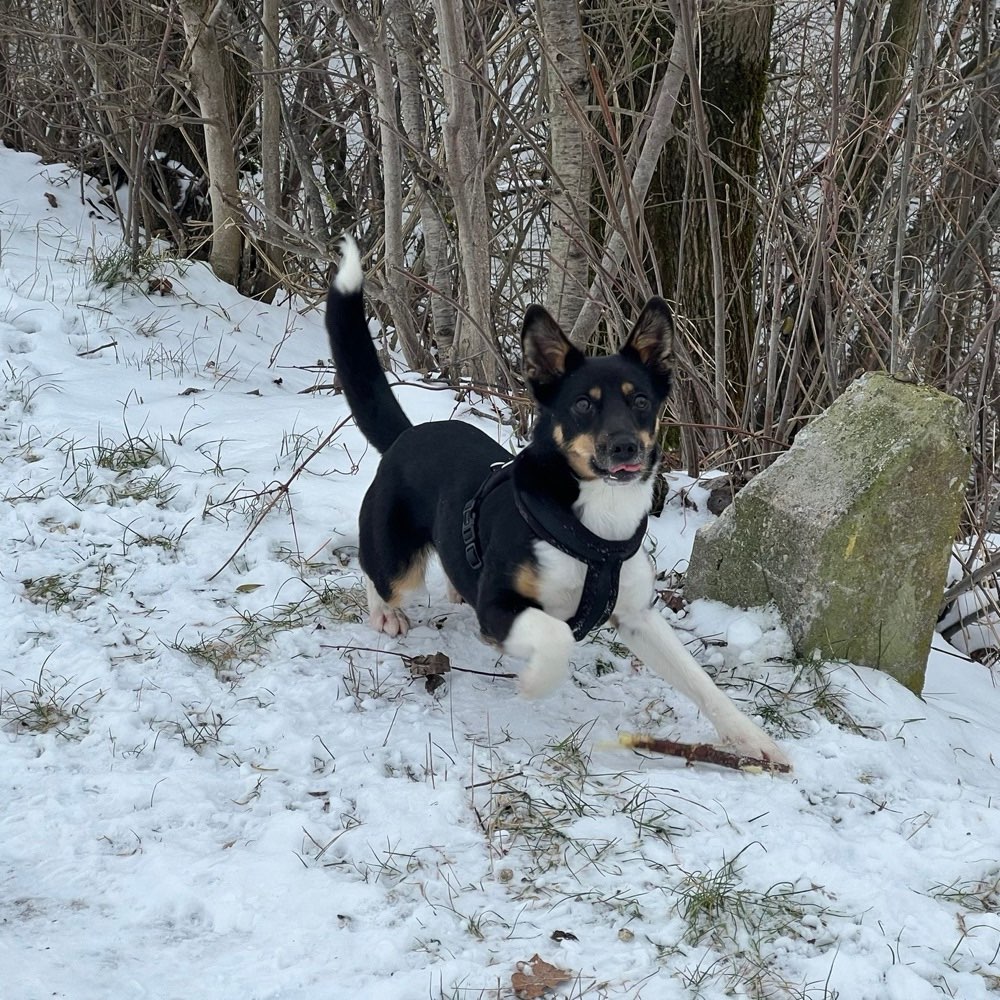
[(546, 546)]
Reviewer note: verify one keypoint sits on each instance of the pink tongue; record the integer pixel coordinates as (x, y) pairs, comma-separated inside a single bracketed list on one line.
[(635, 467)]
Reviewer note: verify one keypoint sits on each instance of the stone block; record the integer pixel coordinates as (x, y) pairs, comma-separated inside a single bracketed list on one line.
[(849, 533)]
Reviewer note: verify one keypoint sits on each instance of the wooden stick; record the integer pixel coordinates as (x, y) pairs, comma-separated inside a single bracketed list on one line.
[(704, 753)]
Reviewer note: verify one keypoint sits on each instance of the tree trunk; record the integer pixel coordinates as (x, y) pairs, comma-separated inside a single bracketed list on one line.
[(634, 189), (437, 267), (877, 89), (475, 351), (373, 41), (702, 211), (209, 85), (270, 144), (567, 90)]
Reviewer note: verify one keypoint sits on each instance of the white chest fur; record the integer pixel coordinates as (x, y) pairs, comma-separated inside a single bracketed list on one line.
[(612, 511)]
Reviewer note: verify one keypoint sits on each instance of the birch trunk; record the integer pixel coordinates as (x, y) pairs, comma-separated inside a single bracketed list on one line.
[(409, 71), (209, 85), (270, 142), (373, 41), (567, 92), (474, 349)]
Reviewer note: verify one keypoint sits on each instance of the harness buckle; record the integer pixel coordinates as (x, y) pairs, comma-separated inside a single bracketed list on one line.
[(469, 535)]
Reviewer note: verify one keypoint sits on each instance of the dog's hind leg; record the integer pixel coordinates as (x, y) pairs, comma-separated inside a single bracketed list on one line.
[(382, 616), (393, 547), (387, 589)]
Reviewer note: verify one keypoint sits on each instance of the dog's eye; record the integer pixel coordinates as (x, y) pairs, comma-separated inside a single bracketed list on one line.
[(583, 406), (640, 402)]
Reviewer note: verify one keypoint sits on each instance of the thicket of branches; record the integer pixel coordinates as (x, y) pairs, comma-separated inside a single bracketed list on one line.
[(813, 184)]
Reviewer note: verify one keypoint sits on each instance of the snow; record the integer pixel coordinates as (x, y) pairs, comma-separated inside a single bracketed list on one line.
[(213, 784)]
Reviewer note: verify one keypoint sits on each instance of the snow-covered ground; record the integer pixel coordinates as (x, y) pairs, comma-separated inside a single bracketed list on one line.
[(216, 781)]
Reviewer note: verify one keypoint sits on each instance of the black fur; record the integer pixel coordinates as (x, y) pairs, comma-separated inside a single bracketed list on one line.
[(377, 413)]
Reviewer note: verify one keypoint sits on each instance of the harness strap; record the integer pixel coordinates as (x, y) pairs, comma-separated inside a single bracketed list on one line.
[(500, 472), (603, 557), (560, 528)]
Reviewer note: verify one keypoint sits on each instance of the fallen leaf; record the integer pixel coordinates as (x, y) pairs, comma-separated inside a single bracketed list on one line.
[(543, 976), (428, 664), (431, 667), (673, 600)]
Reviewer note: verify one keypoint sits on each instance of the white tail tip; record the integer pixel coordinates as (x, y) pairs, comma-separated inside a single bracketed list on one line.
[(349, 274)]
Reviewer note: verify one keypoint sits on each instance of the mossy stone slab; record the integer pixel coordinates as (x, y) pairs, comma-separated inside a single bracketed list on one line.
[(849, 533)]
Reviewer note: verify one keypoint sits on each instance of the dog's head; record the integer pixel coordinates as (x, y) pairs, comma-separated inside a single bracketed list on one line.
[(600, 412)]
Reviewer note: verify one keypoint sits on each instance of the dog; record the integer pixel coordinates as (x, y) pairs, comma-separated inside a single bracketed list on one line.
[(544, 546)]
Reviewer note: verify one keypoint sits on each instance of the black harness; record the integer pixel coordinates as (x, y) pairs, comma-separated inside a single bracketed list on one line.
[(557, 526)]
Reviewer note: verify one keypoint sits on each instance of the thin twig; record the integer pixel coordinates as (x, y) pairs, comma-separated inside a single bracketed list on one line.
[(94, 350), (280, 491), (408, 656)]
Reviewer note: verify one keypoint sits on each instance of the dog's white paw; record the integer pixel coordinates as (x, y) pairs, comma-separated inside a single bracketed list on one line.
[(392, 621), (545, 642), (749, 741), (542, 676)]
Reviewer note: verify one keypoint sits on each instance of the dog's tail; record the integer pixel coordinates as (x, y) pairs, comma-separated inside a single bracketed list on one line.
[(376, 412)]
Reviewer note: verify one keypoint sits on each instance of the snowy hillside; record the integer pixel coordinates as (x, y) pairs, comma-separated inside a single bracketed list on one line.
[(216, 781)]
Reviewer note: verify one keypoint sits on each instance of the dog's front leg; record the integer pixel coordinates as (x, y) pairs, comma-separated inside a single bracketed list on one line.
[(657, 645), (545, 642)]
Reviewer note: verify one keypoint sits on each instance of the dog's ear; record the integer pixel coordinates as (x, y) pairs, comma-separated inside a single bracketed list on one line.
[(548, 355), (651, 341)]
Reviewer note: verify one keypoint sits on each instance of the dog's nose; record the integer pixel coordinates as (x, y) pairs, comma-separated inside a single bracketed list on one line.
[(624, 449)]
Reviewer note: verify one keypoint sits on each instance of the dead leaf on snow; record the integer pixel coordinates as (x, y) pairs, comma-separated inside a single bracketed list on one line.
[(431, 667), (542, 977), (426, 665)]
